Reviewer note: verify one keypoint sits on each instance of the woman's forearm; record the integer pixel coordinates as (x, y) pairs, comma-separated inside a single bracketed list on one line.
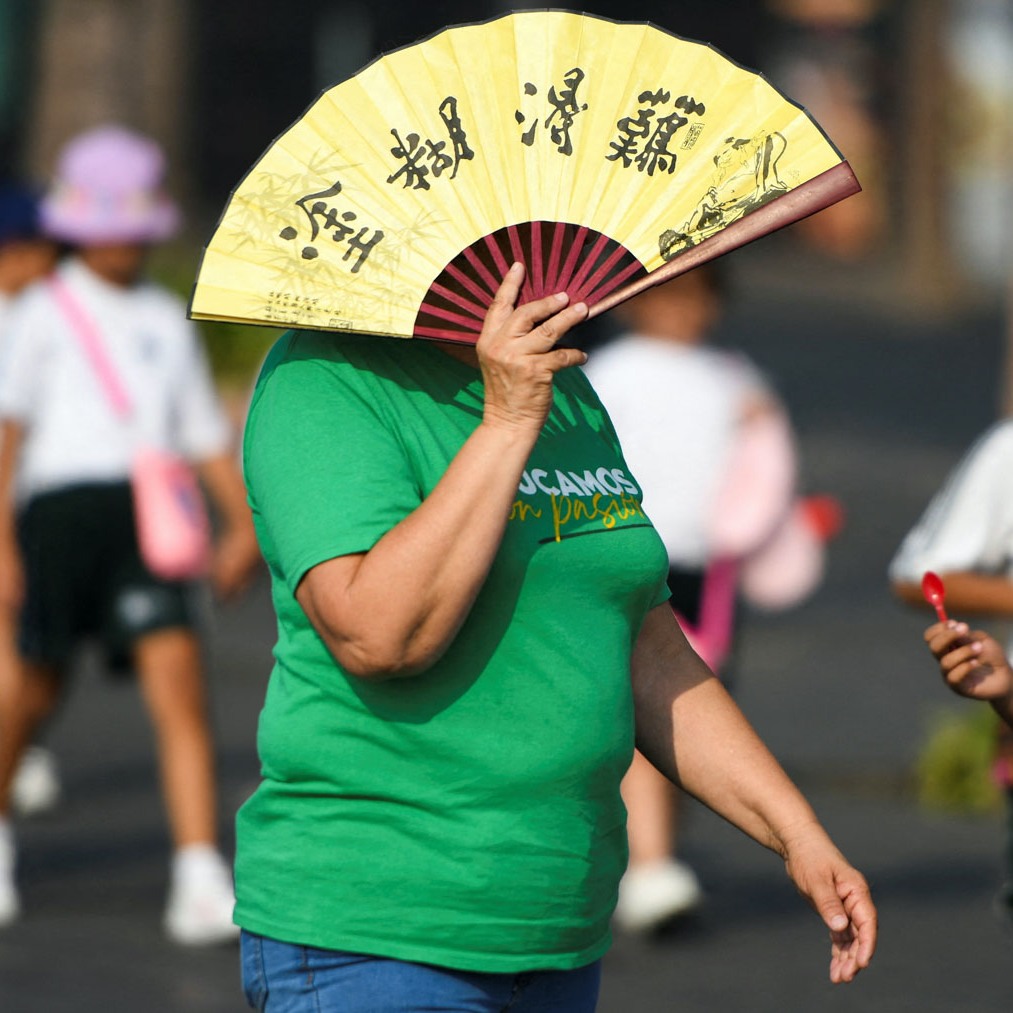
[(690, 728)]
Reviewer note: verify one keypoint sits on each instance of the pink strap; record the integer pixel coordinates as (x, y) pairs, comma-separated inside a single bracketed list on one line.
[(91, 341), (711, 638)]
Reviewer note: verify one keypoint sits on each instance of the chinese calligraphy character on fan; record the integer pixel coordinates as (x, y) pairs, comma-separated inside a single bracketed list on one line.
[(324, 216), (564, 109), (645, 139), (424, 157)]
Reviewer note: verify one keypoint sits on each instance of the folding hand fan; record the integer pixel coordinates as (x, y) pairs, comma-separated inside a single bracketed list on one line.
[(606, 156)]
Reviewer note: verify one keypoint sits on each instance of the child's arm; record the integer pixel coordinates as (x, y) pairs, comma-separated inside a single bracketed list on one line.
[(973, 664), (11, 572), (236, 554), (967, 591)]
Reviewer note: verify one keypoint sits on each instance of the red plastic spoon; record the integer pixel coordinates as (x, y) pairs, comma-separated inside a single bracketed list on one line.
[(932, 588)]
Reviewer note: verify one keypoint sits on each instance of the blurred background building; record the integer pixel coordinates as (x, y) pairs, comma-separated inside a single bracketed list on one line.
[(918, 94)]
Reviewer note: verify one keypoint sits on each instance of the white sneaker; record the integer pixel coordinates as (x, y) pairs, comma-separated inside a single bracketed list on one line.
[(201, 899), (652, 895), (10, 904), (36, 785)]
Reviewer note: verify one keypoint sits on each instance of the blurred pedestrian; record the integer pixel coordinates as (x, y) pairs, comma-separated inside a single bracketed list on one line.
[(25, 256), (974, 664), (965, 535), (68, 548), (712, 448)]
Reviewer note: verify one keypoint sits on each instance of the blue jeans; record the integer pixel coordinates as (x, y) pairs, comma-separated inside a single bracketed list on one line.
[(288, 978)]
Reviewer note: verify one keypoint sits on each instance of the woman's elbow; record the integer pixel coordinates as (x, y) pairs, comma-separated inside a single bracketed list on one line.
[(381, 661), (371, 644)]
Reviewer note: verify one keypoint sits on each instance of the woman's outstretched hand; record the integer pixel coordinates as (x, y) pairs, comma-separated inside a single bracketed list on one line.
[(841, 897), (518, 357)]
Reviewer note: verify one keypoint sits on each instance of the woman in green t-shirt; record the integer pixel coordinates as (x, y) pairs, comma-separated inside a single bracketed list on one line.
[(473, 631)]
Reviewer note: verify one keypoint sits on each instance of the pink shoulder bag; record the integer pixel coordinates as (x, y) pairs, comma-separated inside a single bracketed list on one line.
[(173, 530)]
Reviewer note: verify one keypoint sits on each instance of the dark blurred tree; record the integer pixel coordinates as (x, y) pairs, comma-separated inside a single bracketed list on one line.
[(100, 61), (17, 18)]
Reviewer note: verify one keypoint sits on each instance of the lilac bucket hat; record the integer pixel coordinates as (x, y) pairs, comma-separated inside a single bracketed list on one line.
[(108, 189)]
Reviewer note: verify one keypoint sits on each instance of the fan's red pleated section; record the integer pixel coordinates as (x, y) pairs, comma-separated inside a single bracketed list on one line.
[(558, 257)]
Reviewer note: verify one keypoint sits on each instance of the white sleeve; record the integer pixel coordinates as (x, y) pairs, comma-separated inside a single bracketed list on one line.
[(22, 357), (968, 525), (202, 428)]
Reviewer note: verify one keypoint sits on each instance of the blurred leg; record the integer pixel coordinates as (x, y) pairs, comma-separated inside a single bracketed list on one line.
[(656, 888), (171, 675), (201, 897), (652, 812), (29, 693), (34, 787)]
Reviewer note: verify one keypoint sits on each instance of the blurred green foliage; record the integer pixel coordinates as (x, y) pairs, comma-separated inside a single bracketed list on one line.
[(235, 350), (954, 768)]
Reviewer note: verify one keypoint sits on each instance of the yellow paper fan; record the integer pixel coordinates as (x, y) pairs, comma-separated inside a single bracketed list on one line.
[(606, 156)]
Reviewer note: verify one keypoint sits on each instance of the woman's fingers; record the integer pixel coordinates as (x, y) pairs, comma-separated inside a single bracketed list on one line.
[(547, 318), (544, 321), (546, 335)]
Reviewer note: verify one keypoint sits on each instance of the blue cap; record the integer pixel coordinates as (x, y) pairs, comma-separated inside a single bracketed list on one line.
[(19, 212)]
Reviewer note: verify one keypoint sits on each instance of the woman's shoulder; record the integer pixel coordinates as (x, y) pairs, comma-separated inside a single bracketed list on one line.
[(305, 364), (328, 351)]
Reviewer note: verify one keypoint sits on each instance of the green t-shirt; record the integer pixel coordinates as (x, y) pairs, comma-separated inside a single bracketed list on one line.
[(469, 816)]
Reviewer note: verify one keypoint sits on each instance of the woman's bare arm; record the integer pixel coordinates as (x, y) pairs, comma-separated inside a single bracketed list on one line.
[(692, 731)]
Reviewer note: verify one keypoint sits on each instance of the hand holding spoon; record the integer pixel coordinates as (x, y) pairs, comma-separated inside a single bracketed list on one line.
[(934, 592)]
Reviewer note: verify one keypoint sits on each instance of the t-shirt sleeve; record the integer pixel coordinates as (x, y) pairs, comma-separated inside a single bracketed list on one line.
[(326, 471), (968, 525)]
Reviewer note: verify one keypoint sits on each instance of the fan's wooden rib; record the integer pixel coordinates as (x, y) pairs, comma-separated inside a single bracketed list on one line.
[(536, 267), (593, 283), (469, 283), (587, 262), (446, 334), (466, 323), (570, 264), (483, 272), (458, 300), (555, 255), (498, 259), (611, 284)]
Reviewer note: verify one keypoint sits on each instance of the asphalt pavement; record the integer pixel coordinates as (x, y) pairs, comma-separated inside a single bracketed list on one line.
[(840, 688)]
